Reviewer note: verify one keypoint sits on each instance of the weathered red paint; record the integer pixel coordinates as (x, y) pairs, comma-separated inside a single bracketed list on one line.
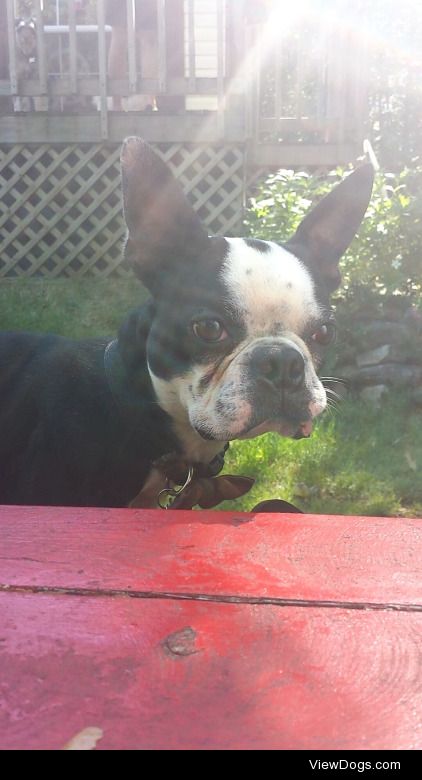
[(186, 673), (282, 556)]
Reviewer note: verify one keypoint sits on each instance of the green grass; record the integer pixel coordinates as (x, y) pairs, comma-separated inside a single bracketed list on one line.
[(77, 308), (360, 461)]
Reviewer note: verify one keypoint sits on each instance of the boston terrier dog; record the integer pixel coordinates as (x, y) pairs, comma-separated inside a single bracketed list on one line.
[(227, 347)]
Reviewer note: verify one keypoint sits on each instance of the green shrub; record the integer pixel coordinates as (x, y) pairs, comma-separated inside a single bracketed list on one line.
[(386, 256)]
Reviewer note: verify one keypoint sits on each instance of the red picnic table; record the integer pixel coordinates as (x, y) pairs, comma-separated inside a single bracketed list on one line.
[(146, 629)]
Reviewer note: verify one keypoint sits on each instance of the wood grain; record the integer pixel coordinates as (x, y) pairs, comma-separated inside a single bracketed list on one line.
[(188, 675), (137, 629), (306, 558)]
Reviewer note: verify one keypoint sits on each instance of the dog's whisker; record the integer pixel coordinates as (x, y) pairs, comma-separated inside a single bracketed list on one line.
[(333, 393), (334, 399), (329, 389), (331, 412), (332, 402), (335, 379), (332, 409)]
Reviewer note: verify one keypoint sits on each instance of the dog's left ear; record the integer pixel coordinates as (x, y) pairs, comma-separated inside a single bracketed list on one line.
[(163, 228), (326, 232)]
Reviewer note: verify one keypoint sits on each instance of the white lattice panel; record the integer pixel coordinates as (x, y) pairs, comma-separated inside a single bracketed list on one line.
[(60, 206)]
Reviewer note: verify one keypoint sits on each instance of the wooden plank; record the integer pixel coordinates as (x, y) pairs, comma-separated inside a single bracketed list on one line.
[(249, 72), (321, 94), (220, 21), (131, 41), (184, 675), (278, 67), (41, 52), (335, 84), (162, 46), (191, 45), (257, 85), (5, 86), (40, 128), (272, 124), (72, 48), (90, 85), (357, 112), (300, 52), (236, 49), (13, 88), (309, 558), (102, 67), (295, 155)]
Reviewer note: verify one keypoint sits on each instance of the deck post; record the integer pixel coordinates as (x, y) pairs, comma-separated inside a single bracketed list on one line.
[(102, 65)]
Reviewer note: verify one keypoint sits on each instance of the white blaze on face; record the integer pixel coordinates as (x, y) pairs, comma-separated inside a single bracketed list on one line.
[(272, 290)]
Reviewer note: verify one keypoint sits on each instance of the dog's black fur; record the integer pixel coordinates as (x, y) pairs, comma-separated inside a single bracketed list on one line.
[(77, 429), (66, 438)]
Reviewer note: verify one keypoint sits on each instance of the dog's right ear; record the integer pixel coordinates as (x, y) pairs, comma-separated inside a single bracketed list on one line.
[(163, 228)]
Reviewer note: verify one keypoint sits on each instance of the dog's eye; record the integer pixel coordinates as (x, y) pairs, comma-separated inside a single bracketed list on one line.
[(325, 334), (209, 330)]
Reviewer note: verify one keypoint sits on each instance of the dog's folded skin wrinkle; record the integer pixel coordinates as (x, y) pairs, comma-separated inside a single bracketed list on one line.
[(227, 347)]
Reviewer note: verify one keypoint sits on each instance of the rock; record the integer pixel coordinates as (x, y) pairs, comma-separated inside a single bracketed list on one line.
[(374, 356), (413, 319), (416, 397), (374, 393), (394, 307), (377, 334), (300, 490), (387, 374), (387, 353), (390, 353), (345, 372)]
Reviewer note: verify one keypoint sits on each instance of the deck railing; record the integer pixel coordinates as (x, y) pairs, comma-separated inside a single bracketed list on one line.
[(296, 87), (36, 71), (230, 96)]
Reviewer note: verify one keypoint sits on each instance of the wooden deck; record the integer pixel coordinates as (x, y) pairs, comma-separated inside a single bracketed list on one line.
[(238, 76), (226, 92), (126, 629)]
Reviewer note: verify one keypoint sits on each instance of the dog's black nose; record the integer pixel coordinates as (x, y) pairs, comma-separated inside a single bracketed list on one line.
[(283, 367)]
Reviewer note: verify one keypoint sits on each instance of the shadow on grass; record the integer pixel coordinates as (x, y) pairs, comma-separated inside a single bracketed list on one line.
[(78, 308)]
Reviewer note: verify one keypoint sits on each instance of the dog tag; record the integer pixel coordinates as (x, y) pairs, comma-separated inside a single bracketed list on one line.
[(168, 495)]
